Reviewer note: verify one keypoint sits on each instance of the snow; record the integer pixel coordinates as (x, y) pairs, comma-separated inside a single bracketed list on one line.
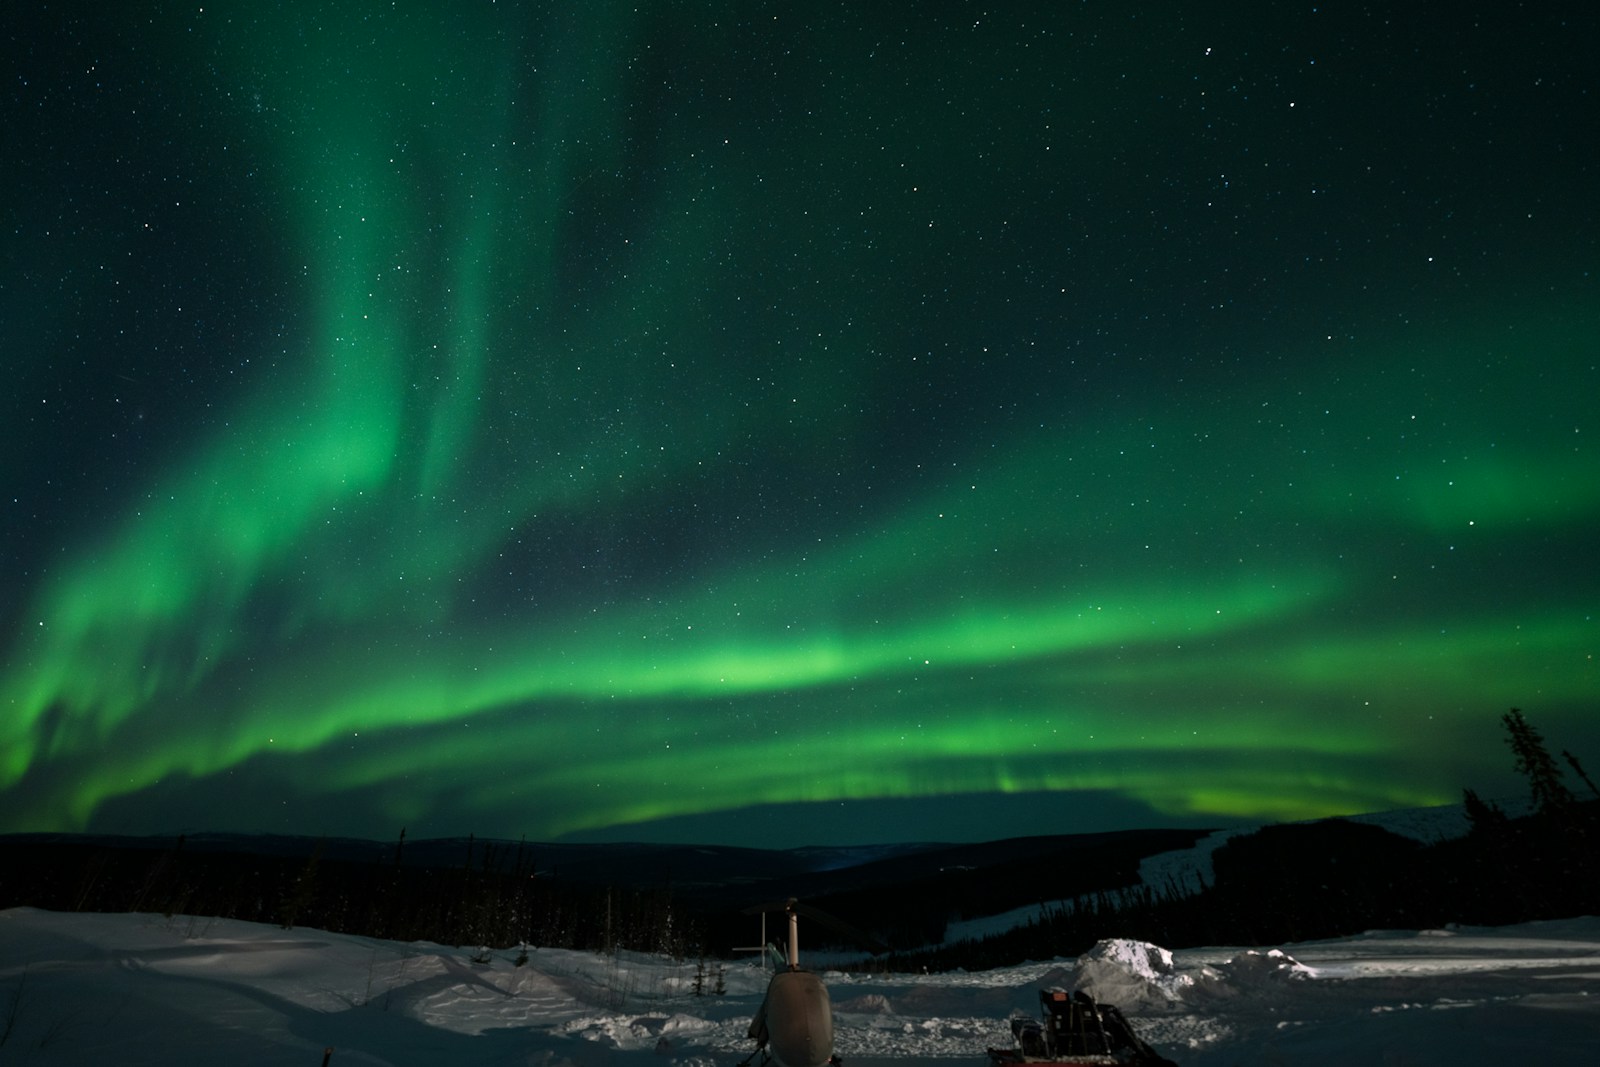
[(1134, 975), (147, 989)]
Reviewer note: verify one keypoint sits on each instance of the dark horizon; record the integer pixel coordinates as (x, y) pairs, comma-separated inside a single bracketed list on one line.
[(869, 823)]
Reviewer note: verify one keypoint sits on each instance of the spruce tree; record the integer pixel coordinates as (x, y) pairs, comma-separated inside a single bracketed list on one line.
[(1578, 769), (1484, 817), (1533, 760)]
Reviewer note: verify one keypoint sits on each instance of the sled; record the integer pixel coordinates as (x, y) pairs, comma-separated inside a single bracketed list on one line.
[(1077, 1031)]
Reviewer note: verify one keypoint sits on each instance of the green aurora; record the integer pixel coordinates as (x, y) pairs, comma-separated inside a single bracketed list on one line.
[(509, 419)]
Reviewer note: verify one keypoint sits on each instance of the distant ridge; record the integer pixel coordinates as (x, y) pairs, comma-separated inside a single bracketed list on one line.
[(706, 872)]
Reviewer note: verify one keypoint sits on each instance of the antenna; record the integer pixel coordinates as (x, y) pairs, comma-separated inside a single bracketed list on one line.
[(794, 909), (759, 948)]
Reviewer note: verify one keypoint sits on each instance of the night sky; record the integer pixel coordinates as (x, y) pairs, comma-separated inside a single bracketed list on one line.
[(786, 423)]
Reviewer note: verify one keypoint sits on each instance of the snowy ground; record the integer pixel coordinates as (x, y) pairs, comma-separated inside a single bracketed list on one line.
[(143, 989)]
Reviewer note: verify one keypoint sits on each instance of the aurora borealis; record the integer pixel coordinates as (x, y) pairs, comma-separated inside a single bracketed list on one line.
[(791, 423)]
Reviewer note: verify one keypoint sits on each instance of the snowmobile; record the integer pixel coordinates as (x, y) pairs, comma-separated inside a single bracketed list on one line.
[(1077, 1030)]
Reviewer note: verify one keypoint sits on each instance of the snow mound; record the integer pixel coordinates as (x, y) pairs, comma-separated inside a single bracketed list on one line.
[(1140, 977), (866, 1004), (1260, 968), (1133, 975), (659, 1032)]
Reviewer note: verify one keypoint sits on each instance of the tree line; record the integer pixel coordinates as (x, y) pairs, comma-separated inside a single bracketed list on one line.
[(493, 899)]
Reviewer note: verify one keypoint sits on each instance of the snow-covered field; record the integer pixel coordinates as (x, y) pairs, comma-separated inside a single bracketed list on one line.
[(145, 989)]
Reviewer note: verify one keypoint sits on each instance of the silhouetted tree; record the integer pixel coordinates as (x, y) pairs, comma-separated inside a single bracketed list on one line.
[(1533, 760), (1578, 769), (1484, 817), (303, 892)]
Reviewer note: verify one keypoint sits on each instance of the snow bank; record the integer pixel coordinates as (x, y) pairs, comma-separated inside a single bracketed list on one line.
[(1133, 975), (1255, 969), (1139, 977)]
